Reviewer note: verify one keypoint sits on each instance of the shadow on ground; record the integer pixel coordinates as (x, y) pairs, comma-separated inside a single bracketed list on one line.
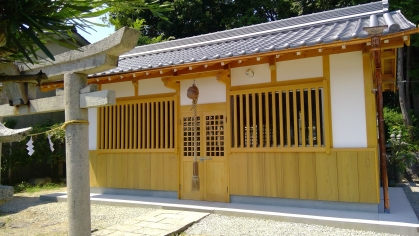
[(20, 203), (413, 197)]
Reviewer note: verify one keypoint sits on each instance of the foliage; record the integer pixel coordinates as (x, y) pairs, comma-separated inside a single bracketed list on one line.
[(26, 25), (25, 187), (309, 6), (144, 40), (402, 147), (15, 154), (195, 17)]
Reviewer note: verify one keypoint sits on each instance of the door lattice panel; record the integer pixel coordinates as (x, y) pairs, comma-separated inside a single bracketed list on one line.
[(188, 136), (214, 129)]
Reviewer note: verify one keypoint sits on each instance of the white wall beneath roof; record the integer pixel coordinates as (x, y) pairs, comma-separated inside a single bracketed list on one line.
[(152, 86), (348, 100), (262, 74), (92, 113), (122, 89), (299, 69), (210, 91)]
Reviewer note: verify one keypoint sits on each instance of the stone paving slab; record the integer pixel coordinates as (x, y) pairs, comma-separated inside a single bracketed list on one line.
[(156, 223)]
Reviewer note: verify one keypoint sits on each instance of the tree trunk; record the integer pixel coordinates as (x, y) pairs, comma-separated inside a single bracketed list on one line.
[(415, 98), (408, 96), (401, 86)]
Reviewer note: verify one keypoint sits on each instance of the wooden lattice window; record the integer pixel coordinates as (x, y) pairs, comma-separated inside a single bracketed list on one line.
[(214, 138), (188, 136), (138, 125), (288, 116)]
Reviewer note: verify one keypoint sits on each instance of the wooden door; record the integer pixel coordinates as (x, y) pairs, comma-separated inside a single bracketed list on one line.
[(210, 147)]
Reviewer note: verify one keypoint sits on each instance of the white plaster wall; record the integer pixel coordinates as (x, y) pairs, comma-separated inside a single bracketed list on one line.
[(299, 69), (92, 113), (152, 86), (210, 91), (348, 100), (262, 74), (122, 89)]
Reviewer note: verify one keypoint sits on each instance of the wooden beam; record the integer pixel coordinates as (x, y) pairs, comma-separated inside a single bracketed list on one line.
[(249, 62), (388, 77), (272, 67), (171, 83), (194, 75), (224, 77), (388, 54), (135, 84)]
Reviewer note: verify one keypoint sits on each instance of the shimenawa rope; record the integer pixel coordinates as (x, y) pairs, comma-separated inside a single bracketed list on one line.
[(63, 126)]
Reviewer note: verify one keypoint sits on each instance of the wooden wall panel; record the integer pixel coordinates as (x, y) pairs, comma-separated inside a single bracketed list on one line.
[(270, 179), (171, 172), (279, 177), (256, 161), (157, 171), (101, 170), (348, 181), (92, 169), (144, 177), (110, 170), (308, 177), (215, 182), (327, 177), (122, 173), (343, 175), (250, 177), (238, 174), (132, 170), (291, 175), (149, 171), (367, 173)]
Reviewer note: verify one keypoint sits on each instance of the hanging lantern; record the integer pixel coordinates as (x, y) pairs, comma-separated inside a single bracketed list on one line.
[(193, 92)]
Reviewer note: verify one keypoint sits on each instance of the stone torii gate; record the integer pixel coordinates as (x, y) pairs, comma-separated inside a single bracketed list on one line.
[(73, 67)]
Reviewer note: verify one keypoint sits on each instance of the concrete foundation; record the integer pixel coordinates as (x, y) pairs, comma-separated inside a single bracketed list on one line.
[(326, 205), (135, 192)]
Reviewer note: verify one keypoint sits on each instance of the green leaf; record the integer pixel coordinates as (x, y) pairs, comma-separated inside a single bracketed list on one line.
[(95, 13), (38, 42), (22, 50)]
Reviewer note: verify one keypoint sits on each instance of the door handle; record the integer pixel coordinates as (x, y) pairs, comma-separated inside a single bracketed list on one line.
[(204, 158)]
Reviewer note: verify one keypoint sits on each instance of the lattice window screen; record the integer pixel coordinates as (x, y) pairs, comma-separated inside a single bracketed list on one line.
[(188, 136), (289, 116), (138, 125), (214, 129)]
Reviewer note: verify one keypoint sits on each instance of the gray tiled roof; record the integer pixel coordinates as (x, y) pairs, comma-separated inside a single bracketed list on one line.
[(319, 28)]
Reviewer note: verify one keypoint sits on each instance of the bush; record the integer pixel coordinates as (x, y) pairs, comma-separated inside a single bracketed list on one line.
[(401, 145), (28, 188), (16, 155)]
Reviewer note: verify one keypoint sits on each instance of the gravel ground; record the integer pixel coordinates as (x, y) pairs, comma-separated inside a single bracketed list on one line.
[(27, 215), (214, 225), (235, 226), (412, 194)]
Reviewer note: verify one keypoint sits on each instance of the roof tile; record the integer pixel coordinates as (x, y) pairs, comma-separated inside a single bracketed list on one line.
[(325, 27)]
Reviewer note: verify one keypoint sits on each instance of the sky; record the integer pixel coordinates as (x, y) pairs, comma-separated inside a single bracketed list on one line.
[(101, 32)]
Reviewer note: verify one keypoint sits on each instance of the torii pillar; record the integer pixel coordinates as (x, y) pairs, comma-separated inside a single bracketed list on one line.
[(77, 157), (74, 66)]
